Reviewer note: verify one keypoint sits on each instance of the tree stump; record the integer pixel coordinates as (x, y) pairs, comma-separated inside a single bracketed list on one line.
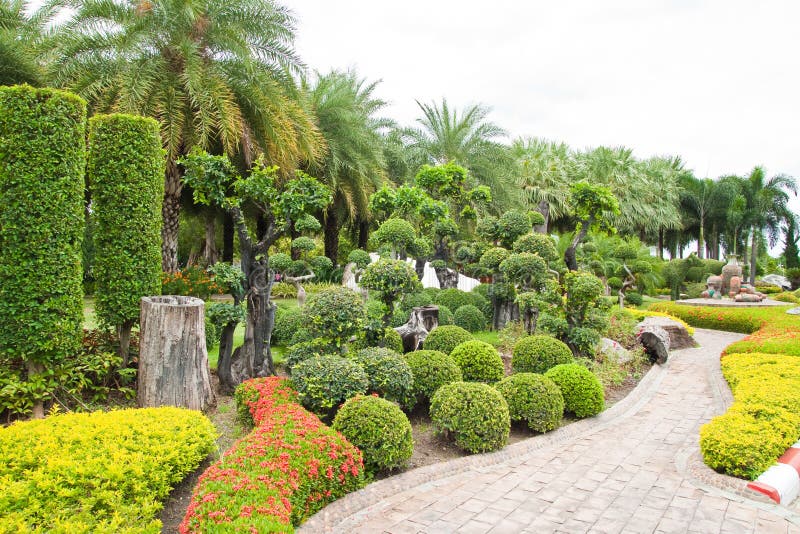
[(173, 361), (679, 337), (655, 341), (423, 319)]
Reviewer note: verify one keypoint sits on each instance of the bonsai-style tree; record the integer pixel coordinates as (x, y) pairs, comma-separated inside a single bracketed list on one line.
[(625, 253), (529, 274), (226, 317), (592, 206), (125, 170), (279, 206), (391, 279), (582, 308)]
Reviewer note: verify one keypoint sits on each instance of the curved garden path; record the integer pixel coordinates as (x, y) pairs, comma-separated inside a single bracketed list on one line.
[(634, 468)]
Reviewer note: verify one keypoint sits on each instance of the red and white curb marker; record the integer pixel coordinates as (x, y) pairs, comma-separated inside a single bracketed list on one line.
[(781, 482)]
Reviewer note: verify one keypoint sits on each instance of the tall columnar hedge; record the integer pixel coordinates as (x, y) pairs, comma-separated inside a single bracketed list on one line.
[(126, 176), (42, 160)]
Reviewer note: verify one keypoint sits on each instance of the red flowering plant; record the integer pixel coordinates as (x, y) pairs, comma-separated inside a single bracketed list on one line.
[(289, 467)]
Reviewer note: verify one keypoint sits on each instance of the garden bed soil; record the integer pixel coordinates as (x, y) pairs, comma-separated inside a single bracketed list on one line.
[(429, 448)]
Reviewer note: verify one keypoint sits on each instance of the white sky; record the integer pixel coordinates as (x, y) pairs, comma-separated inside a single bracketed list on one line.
[(715, 82)]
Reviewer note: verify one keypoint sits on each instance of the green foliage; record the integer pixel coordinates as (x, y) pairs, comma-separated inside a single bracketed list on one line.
[(445, 338), (222, 313), (540, 244), (390, 278), (42, 161), (583, 392), (379, 429), (482, 303), (533, 398), (583, 310), (453, 298), (537, 354), (322, 267), (431, 370), (324, 382), (479, 361), (228, 278), (303, 347), (359, 257), (594, 204), (526, 270), (469, 318), (303, 244), (475, 414), (513, 224), (445, 315), (397, 233), (634, 298), (388, 373), (614, 282), (536, 218), (280, 262), (287, 323), (125, 168), (48, 464), (335, 314), (492, 258)]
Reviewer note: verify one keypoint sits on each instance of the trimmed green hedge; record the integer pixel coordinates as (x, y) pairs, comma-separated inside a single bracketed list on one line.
[(97, 472), (125, 170), (289, 467), (42, 161)]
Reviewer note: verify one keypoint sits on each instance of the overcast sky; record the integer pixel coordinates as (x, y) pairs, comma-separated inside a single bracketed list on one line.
[(717, 83)]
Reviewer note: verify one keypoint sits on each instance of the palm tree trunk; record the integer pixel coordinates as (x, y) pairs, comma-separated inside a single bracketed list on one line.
[(544, 209), (170, 212), (332, 236), (227, 238), (363, 234), (753, 257), (661, 243), (701, 244)]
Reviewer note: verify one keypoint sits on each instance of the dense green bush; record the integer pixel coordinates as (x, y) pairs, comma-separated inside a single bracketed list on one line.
[(42, 162), (479, 361), (391, 279), (633, 298), (125, 169), (322, 267), (482, 303), (303, 350), (336, 314), (99, 471), (453, 298), (540, 244), (533, 398), (476, 415), (359, 257), (469, 318), (445, 315), (431, 370), (392, 340), (287, 323), (582, 391), (388, 373), (396, 233), (446, 338), (324, 382), (379, 429), (537, 354)]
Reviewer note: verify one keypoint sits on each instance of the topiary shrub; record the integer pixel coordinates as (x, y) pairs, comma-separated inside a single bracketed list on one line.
[(392, 340), (453, 298), (533, 398), (582, 391), (379, 429), (469, 318), (634, 298), (475, 415), (446, 338), (537, 354), (125, 169), (42, 162), (335, 313), (479, 361), (287, 323), (445, 315), (324, 382), (482, 303), (303, 350), (388, 373), (431, 370), (390, 279)]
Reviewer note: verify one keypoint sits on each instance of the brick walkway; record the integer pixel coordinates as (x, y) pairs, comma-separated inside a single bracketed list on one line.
[(634, 468)]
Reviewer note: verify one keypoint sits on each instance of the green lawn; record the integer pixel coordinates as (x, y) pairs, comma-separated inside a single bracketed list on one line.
[(493, 338)]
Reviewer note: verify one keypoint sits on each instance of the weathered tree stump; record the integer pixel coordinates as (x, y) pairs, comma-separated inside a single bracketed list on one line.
[(448, 278), (679, 337), (173, 361), (655, 341), (423, 319)]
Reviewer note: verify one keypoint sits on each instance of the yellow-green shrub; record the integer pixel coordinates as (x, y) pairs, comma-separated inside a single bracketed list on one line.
[(97, 472), (639, 315)]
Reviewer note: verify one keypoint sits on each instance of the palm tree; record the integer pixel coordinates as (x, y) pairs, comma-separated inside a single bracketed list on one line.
[(767, 206), (353, 165), (467, 138), (543, 174), (215, 74), (23, 40)]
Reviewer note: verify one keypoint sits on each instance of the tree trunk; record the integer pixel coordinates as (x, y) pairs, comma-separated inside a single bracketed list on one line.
[(529, 320), (423, 319), (170, 213), (661, 243), (258, 331), (332, 236), (363, 234), (226, 382), (544, 209), (419, 268), (173, 362), (124, 334), (505, 312), (570, 254), (701, 244), (753, 257), (227, 238), (210, 240), (448, 278), (34, 369)]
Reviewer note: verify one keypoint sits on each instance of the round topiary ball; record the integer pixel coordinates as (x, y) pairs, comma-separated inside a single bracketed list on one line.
[(303, 350), (287, 323), (392, 340), (445, 338), (476, 415), (583, 392), (453, 298), (479, 361), (388, 373), (534, 399), (537, 354), (379, 429), (325, 382), (445, 315), (469, 318), (336, 313), (431, 369)]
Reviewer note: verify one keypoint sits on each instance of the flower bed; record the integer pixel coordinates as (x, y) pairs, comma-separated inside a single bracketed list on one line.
[(762, 372), (97, 472), (290, 466)]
